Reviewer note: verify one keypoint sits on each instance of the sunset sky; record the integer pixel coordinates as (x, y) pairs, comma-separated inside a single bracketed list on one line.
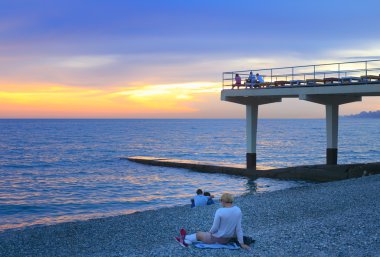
[(165, 58)]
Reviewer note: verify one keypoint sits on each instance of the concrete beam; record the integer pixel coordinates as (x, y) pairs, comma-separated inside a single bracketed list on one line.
[(331, 99), (249, 100)]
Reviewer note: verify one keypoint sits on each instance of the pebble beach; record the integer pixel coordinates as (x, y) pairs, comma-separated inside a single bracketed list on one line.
[(340, 218)]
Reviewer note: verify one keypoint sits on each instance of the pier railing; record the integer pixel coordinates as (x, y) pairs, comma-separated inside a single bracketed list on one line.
[(354, 72)]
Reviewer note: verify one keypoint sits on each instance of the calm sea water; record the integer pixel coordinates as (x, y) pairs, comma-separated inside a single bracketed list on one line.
[(63, 170)]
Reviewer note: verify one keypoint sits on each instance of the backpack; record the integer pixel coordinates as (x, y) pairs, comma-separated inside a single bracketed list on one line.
[(246, 239)]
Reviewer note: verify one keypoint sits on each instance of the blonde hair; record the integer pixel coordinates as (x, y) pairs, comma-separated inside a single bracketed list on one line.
[(227, 198)]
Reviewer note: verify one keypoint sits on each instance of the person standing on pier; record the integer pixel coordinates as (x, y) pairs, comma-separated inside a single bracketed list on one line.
[(237, 81)]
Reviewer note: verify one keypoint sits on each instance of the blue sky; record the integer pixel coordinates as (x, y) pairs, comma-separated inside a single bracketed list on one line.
[(121, 44)]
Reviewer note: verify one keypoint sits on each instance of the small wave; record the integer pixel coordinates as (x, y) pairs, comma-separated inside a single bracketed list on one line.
[(11, 209), (26, 166)]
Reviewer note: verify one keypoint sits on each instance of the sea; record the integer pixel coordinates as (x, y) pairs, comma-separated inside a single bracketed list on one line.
[(60, 170)]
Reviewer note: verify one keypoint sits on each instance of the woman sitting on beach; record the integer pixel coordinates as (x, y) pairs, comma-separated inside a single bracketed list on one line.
[(226, 225)]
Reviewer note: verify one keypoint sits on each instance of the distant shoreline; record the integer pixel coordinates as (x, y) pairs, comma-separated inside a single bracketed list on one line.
[(370, 115)]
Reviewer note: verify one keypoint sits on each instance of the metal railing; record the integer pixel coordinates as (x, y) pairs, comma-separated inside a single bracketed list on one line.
[(354, 72)]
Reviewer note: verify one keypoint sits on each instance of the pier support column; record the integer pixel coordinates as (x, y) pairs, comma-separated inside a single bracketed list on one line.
[(332, 115), (332, 103), (252, 111)]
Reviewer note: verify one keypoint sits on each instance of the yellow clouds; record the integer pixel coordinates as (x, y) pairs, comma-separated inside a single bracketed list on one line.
[(47, 101), (169, 97), (172, 90), (44, 101), (41, 94)]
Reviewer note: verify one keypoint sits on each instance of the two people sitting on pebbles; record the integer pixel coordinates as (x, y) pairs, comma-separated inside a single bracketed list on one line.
[(202, 199)]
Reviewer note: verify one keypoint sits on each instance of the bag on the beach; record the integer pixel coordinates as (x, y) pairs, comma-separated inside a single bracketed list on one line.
[(246, 239)]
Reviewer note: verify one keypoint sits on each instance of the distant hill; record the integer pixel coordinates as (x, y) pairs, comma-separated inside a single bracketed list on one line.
[(375, 114)]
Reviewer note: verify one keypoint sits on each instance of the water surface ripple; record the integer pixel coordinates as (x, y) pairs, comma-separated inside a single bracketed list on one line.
[(62, 170)]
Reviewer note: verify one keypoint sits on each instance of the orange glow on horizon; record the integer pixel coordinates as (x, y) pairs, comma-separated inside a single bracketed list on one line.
[(180, 100), (61, 101)]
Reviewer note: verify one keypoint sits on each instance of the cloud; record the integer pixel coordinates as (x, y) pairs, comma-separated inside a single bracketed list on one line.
[(364, 52), (175, 93), (87, 62)]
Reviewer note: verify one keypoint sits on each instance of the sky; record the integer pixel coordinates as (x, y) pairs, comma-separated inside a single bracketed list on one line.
[(165, 58)]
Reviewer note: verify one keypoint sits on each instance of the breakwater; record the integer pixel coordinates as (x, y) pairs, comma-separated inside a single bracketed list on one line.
[(320, 173)]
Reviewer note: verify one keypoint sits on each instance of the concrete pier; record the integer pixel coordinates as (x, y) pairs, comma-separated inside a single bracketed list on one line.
[(318, 173), (308, 86)]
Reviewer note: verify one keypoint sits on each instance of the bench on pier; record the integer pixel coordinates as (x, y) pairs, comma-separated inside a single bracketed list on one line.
[(281, 83), (263, 84), (297, 82), (350, 80), (332, 80), (257, 85), (369, 78), (314, 81)]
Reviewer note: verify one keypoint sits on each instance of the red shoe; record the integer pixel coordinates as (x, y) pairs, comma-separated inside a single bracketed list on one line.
[(181, 242), (182, 232)]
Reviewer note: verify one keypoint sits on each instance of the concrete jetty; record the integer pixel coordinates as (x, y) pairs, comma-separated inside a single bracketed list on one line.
[(318, 173)]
